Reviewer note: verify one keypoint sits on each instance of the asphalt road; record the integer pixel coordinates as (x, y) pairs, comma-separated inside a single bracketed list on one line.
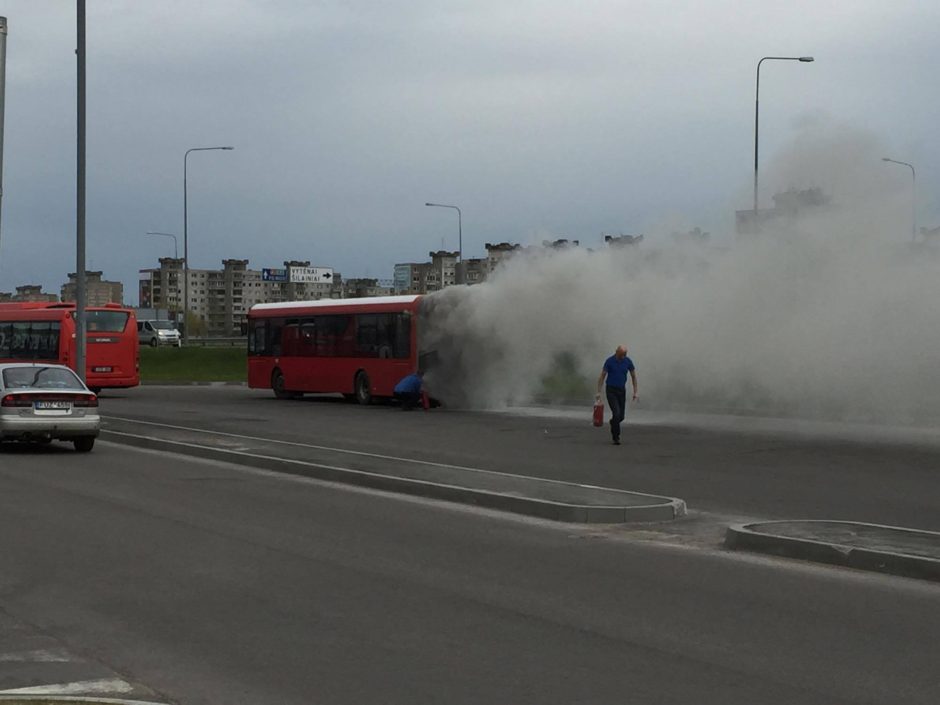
[(761, 470), (218, 585)]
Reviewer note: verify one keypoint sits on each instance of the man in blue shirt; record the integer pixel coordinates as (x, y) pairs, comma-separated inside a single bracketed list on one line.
[(615, 370), (408, 391)]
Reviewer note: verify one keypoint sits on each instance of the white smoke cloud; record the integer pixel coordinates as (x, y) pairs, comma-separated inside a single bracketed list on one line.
[(831, 314)]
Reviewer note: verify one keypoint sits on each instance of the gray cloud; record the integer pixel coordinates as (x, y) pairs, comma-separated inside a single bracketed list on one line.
[(538, 118)]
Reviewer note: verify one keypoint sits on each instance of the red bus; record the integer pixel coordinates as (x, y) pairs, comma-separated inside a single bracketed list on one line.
[(46, 331), (360, 348)]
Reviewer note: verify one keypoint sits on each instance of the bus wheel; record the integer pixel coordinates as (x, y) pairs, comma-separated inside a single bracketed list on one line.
[(277, 384), (84, 444), (363, 391)]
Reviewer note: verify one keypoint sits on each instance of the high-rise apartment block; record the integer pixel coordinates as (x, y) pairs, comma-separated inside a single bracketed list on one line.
[(97, 291), (28, 292), (219, 299)]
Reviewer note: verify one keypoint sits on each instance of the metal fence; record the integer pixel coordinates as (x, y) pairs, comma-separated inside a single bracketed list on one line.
[(240, 341)]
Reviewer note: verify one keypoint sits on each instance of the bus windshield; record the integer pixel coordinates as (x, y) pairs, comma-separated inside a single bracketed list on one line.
[(106, 321)]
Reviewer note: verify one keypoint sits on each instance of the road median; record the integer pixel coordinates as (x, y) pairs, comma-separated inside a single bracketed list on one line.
[(895, 550), (547, 499)]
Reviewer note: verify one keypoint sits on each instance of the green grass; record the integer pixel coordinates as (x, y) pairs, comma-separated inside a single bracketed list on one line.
[(192, 364)]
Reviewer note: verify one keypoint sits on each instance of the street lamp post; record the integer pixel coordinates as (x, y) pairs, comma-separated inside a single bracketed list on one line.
[(176, 252), (459, 237), (913, 195), (757, 111), (185, 233)]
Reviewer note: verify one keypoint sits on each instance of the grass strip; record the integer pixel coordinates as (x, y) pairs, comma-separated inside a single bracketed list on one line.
[(193, 364)]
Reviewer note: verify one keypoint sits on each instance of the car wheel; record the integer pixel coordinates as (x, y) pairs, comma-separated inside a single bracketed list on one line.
[(84, 444), (277, 384), (363, 389), (154, 342)]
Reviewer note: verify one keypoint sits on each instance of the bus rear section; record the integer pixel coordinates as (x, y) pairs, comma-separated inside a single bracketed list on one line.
[(46, 332), (360, 348), (112, 350)]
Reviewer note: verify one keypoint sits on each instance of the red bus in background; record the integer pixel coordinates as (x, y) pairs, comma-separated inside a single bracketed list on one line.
[(46, 332), (357, 347)]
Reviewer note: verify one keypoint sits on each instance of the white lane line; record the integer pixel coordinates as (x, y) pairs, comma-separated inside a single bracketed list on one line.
[(37, 656), (305, 445), (114, 685), (367, 455)]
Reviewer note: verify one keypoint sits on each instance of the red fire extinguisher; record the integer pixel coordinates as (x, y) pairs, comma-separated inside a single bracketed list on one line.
[(598, 412)]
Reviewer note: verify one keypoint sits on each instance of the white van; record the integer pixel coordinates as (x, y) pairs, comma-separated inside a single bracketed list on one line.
[(154, 333)]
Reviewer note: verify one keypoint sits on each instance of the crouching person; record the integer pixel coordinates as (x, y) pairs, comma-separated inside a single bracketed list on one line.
[(408, 391)]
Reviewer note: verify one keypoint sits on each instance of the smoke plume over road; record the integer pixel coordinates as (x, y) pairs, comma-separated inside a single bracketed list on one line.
[(830, 313)]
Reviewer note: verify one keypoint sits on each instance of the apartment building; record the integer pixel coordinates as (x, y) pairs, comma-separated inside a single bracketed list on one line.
[(219, 299), (442, 270), (98, 292), (28, 292), (475, 270), (410, 278), (499, 252)]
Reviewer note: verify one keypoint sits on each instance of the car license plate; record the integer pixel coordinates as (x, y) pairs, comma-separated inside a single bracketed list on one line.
[(101, 369), (53, 405)]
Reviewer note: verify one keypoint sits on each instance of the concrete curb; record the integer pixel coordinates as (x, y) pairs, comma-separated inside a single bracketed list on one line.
[(746, 537), (658, 508), (72, 699), (184, 383)]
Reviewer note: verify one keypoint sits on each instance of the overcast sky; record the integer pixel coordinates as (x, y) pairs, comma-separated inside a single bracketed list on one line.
[(540, 119)]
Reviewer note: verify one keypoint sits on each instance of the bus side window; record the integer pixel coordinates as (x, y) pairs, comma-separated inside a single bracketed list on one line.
[(275, 328), (331, 331), (256, 341), (401, 337), (367, 335), (290, 338), (308, 337)]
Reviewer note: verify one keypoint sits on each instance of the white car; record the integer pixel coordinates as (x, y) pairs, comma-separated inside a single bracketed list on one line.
[(154, 333), (40, 403)]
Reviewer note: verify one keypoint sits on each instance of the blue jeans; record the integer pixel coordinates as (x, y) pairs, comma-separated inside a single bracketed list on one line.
[(617, 401)]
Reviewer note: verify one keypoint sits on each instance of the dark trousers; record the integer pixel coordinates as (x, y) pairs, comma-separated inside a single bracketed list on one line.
[(409, 400), (617, 401)]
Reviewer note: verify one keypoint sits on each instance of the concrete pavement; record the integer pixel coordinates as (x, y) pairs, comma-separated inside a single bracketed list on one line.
[(532, 496), (762, 473), (212, 583)]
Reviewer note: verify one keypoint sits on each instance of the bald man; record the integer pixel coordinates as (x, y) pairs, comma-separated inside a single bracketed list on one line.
[(616, 368)]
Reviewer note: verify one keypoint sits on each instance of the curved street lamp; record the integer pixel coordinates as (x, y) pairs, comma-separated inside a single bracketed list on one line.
[(459, 227), (176, 253), (804, 59), (913, 195), (185, 232)]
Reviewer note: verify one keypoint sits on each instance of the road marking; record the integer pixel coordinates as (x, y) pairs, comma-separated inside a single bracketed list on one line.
[(360, 453), (38, 656), (114, 685)]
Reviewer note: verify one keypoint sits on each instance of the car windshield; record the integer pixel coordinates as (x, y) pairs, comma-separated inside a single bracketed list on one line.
[(40, 378), (163, 325)]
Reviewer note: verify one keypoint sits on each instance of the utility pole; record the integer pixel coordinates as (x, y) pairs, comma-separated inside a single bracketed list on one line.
[(80, 327), (3, 86)]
